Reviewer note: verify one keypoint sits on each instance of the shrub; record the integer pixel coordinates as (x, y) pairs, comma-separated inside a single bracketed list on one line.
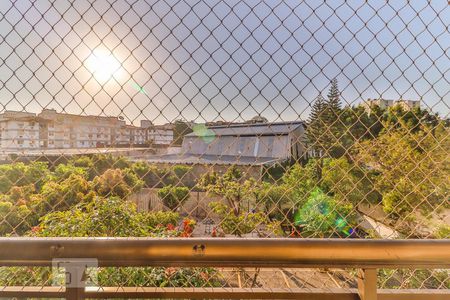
[(443, 231), (63, 171), (152, 175), (274, 198), (322, 216), (173, 196), (19, 174), (106, 217), (117, 182), (180, 172), (164, 218), (13, 218), (237, 225), (232, 186)]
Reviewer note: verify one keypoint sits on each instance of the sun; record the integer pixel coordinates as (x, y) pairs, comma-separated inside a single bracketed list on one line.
[(103, 65)]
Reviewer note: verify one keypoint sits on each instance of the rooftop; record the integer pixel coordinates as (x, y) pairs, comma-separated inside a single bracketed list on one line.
[(245, 129), (189, 158)]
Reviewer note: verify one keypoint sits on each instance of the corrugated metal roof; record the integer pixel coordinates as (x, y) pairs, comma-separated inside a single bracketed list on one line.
[(250, 129), (188, 158)]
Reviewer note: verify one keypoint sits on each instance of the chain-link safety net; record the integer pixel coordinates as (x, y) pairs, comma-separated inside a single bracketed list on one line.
[(208, 118)]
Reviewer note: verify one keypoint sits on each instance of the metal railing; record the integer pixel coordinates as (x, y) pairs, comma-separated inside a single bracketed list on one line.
[(365, 255)]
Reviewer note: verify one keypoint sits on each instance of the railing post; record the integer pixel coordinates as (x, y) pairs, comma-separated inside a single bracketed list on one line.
[(367, 284), (74, 281), (76, 276)]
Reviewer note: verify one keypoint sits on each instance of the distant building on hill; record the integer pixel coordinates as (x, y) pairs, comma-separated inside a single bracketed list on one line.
[(369, 104)]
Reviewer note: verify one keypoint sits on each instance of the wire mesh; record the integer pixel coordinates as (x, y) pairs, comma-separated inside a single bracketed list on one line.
[(165, 118)]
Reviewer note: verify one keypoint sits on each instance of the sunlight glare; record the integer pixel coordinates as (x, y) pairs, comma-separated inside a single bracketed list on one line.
[(103, 65)]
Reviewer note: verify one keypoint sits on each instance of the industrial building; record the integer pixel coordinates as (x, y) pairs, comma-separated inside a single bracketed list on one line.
[(240, 144)]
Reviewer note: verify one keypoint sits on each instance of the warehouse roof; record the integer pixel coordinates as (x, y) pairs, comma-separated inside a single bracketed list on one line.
[(245, 129), (188, 158)]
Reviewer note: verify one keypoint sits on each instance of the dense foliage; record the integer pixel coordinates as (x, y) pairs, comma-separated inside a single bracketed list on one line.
[(173, 196), (30, 191), (113, 217)]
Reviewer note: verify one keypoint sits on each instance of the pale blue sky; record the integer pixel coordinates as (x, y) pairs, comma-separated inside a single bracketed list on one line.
[(211, 60)]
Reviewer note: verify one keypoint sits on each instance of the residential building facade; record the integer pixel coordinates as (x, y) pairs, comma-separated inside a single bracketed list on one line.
[(19, 130), (369, 104), (161, 135), (52, 130)]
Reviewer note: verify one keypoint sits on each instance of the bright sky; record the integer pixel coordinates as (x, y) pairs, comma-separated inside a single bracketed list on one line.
[(212, 60)]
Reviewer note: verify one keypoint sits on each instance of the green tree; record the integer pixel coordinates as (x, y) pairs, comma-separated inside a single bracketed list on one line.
[(412, 120), (275, 199), (315, 130), (152, 175), (300, 180), (14, 218), (117, 182), (100, 217), (413, 169), (322, 216), (104, 162), (232, 186), (359, 125), (181, 172), (62, 195), (181, 128), (324, 128), (64, 171), (348, 182), (173, 196), (20, 174), (240, 224)]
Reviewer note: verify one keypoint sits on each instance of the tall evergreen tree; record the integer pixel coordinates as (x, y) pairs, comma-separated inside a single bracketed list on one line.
[(334, 100), (325, 128), (316, 127), (335, 124)]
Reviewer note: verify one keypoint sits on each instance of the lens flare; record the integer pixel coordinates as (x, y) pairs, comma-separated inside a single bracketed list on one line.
[(206, 134), (139, 88)]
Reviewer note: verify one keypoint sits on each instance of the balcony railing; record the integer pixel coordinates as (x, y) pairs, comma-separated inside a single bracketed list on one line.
[(365, 255)]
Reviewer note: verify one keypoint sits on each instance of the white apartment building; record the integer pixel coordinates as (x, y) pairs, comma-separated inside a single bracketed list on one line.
[(385, 103), (60, 130), (131, 135), (161, 135), (408, 104), (19, 130), (52, 130)]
